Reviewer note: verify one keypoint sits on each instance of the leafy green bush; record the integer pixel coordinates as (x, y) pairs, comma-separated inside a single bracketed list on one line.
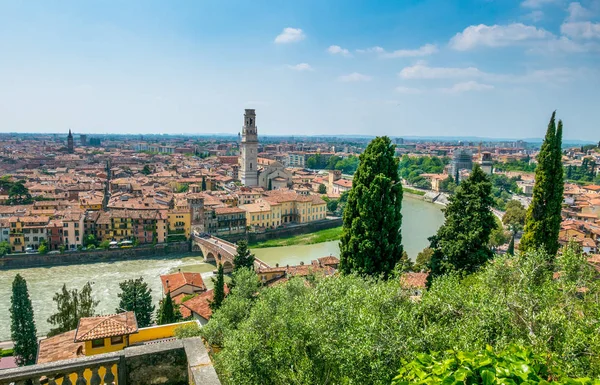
[(513, 365), (190, 329)]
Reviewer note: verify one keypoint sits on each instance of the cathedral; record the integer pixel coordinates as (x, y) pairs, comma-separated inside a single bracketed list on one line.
[(255, 172)]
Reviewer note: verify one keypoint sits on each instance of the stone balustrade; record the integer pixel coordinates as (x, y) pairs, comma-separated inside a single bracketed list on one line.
[(94, 370), (177, 362)]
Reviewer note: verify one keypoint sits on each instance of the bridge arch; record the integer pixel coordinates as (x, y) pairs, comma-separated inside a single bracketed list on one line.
[(227, 267), (209, 257)]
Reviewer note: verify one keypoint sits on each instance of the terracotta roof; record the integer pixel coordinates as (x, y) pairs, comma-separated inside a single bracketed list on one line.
[(91, 328), (199, 304), (413, 280), (59, 347), (179, 279)]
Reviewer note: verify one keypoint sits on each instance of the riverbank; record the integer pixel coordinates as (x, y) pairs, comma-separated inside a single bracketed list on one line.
[(320, 236)]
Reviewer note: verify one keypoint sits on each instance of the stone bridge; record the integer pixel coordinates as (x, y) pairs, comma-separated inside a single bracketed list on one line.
[(220, 251)]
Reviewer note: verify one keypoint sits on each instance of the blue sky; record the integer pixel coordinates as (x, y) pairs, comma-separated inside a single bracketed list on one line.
[(405, 67)]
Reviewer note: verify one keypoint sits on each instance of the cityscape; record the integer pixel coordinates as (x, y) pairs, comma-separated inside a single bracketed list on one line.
[(311, 234)]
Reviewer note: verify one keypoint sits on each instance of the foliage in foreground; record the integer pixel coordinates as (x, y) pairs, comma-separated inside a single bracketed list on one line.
[(348, 329), (514, 365)]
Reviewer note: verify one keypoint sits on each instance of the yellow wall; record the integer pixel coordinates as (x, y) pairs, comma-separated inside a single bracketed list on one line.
[(107, 348), (180, 220), (156, 332)]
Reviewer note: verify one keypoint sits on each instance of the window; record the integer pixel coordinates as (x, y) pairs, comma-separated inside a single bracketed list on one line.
[(98, 343), (116, 340)]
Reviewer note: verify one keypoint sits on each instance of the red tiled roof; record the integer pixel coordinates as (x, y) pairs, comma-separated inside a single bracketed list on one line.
[(59, 347), (199, 304), (414, 280), (179, 279), (91, 328)]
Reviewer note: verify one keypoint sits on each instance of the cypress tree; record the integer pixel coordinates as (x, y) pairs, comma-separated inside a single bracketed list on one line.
[(511, 245), (243, 257), (22, 324), (542, 224), (461, 243), (218, 290), (167, 312), (371, 243), (135, 296)]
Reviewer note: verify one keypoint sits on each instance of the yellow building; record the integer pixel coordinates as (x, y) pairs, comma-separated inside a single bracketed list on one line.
[(180, 222), (91, 200), (100, 334), (296, 208), (17, 240), (262, 214)]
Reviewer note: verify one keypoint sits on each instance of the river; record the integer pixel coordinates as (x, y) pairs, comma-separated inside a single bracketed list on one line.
[(420, 220)]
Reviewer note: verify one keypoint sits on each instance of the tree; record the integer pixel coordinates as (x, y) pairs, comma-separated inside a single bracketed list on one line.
[(104, 245), (461, 243), (218, 290), (514, 217), (511, 245), (22, 324), (423, 258), (243, 257), (371, 243), (89, 240), (135, 296), (322, 189), (43, 249), (167, 311), (71, 306), (18, 194), (542, 223), (498, 237), (146, 170), (404, 265), (62, 248), (4, 248)]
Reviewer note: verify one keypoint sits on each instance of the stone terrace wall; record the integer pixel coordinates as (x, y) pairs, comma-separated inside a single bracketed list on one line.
[(15, 261)]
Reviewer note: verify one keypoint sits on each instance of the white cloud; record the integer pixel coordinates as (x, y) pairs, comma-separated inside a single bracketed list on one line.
[(337, 50), (581, 30), (467, 86), (354, 77), (290, 35), (564, 45), (537, 3), (375, 49), (425, 50), (422, 71), (496, 36), (535, 16), (408, 90), (578, 12), (301, 67)]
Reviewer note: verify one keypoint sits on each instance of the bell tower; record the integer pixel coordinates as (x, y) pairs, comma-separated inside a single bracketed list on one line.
[(249, 150)]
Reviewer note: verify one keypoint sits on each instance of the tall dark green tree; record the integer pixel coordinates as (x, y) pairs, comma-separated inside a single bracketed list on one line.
[(22, 324), (461, 243), (511, 245), (167, 311), (243, 257), (371, 243), (135, 296), (71, 306), (542, 223), (218, 290)]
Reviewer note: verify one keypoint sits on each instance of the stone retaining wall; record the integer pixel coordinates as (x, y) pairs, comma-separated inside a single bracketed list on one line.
[(284, 232), (18, 261)]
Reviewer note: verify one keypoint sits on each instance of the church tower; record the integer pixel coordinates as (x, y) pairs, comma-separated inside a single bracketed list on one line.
[(70, 148), (249, 150)]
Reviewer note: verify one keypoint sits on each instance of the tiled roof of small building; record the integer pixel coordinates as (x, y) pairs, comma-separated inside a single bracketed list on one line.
[(92, 328)]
